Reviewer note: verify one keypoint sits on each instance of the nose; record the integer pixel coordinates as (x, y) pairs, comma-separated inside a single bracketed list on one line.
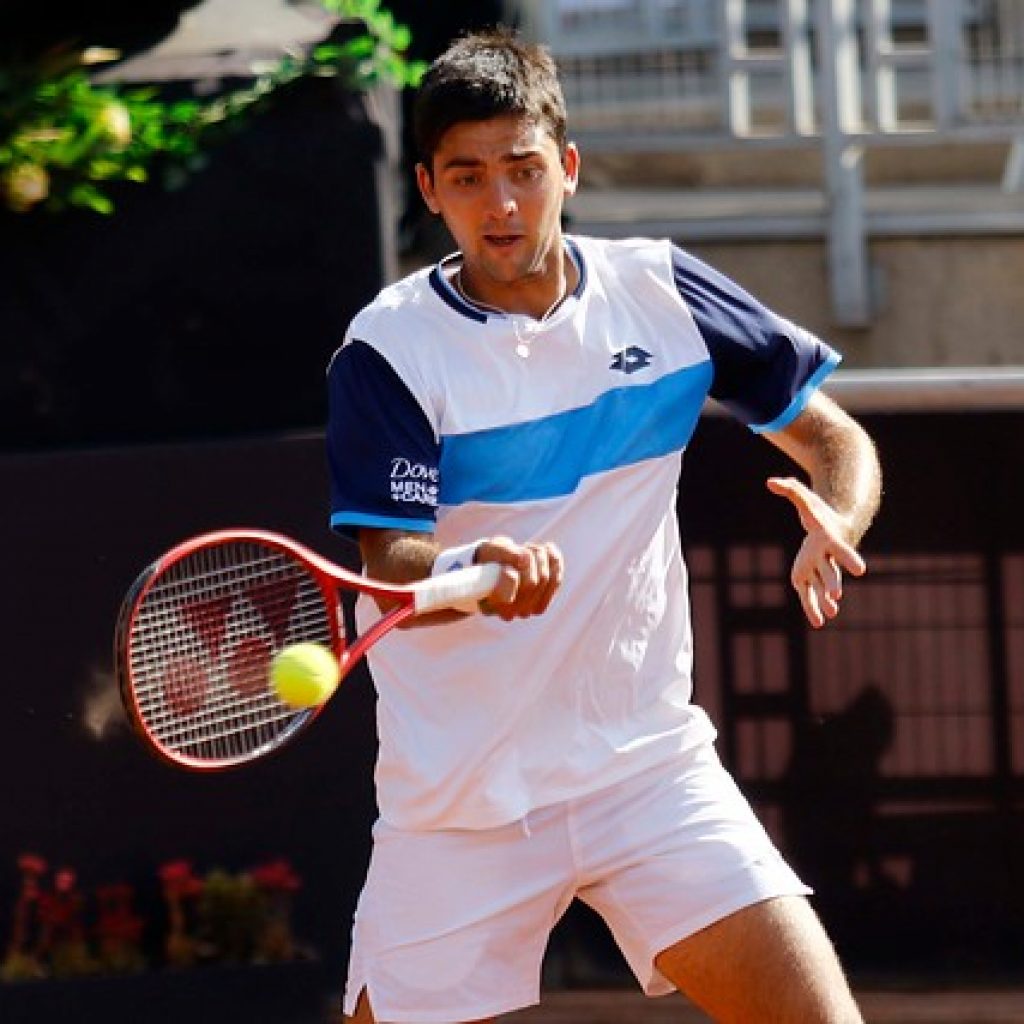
[(503, 202)]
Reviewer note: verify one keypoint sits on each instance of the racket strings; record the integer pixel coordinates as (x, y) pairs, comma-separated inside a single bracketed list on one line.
[(201, 645)]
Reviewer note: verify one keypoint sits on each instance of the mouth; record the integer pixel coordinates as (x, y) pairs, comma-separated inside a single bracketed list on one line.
[(503, 240)]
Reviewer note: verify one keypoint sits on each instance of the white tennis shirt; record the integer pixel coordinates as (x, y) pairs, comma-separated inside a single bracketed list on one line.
[(452, 419)]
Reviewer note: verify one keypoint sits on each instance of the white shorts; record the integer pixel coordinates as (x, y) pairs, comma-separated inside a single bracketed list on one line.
[(452, 925)]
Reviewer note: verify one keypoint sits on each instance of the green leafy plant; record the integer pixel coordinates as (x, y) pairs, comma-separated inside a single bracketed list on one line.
[(65, 140)]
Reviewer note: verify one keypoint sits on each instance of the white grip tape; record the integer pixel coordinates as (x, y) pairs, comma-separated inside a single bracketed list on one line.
[(462, 589)]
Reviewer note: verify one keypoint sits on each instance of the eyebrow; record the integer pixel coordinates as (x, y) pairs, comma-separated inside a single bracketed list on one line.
[(508, 158)]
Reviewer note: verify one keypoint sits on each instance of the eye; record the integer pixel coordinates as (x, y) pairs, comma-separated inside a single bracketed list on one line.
[(529, 173), (467, 180)]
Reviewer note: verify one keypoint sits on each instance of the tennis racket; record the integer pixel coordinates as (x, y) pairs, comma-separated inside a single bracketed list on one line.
[(199, 627)]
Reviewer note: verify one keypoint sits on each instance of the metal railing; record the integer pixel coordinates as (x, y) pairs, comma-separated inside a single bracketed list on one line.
[(659, 75), (746, 68)]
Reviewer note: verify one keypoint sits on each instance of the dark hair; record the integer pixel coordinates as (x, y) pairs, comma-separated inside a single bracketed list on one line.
[(484, 75)]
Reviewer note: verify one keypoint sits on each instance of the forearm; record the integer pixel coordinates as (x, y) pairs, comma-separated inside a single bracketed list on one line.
[(841, 461), (393, 556), (397, 557), (847, 475)]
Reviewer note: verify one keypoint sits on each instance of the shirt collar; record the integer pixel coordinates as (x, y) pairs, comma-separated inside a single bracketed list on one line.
[(440, 281)]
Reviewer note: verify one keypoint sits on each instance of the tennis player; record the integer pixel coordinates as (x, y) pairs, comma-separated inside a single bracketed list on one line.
[(527, 401)]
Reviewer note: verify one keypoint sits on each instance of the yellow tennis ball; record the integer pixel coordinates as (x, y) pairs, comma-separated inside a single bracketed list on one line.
[(304, 675)]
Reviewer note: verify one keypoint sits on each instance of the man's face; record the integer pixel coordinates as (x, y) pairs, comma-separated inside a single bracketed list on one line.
[(500, 185)]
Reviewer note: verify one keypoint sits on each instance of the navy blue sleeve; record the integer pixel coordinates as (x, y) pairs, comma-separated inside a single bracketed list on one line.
[(765, 368), (382, 453)]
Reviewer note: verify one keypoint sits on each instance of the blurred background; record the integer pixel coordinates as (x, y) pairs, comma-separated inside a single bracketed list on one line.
[(196, 197)]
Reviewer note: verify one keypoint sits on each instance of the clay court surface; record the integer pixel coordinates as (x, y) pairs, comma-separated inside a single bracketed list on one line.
[(880, 1006)]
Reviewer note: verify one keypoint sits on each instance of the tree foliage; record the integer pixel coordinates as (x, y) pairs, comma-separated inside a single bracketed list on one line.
[(64, 140)]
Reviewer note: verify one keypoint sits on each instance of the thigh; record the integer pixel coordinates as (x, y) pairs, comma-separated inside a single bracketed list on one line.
[(453, 925), (771, 962), (676, 850)]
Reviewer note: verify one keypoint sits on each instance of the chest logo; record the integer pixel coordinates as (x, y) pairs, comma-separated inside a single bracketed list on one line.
[(631, 359)]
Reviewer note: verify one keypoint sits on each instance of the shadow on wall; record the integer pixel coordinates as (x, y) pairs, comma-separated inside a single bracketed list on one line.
[(833, 780)]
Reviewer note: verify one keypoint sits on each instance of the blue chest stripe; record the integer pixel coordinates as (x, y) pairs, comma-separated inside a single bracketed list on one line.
[(548, 457)]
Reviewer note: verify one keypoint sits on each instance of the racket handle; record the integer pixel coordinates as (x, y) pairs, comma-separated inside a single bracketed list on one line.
[(462, 589)]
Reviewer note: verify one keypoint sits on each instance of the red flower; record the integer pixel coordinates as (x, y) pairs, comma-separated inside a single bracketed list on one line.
[(277, 876), (64, 881), (178, 879), (175, 871), (117, 922), (30, 864)]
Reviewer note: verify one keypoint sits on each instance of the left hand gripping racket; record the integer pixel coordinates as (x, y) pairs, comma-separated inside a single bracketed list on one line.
[(199, 627)]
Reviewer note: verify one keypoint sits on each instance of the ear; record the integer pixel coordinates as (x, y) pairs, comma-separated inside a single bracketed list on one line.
[(426, 186), (571, 168)]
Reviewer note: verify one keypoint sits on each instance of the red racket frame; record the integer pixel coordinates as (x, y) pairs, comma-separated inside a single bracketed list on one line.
[(330, 578)]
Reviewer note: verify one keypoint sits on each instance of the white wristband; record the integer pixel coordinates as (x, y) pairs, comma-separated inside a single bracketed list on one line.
[(455, 558), (460, 557)]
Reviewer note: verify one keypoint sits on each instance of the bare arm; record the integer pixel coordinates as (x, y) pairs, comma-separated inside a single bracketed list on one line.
[(837, 509), (532, 574)]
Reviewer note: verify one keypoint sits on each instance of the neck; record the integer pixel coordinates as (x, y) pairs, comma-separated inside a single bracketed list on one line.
[(537, 296)]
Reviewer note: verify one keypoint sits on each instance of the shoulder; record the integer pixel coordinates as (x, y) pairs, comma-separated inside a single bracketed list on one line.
[(631, 270), (626, 255), (386, 321), (402, 326)]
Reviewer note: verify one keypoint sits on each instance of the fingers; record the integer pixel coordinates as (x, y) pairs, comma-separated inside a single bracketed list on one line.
[(819, 599), (817, 515), (831, 579), (825, 554), (809, 603), (549, 567), (796, 492), (818, 581), (529, 581), (813, 510)]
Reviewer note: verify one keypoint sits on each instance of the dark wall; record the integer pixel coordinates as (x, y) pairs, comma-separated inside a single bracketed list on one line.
[(957, 471), (885, 752), (78, 527), (210, 310), (213, 309), (79, 530)]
